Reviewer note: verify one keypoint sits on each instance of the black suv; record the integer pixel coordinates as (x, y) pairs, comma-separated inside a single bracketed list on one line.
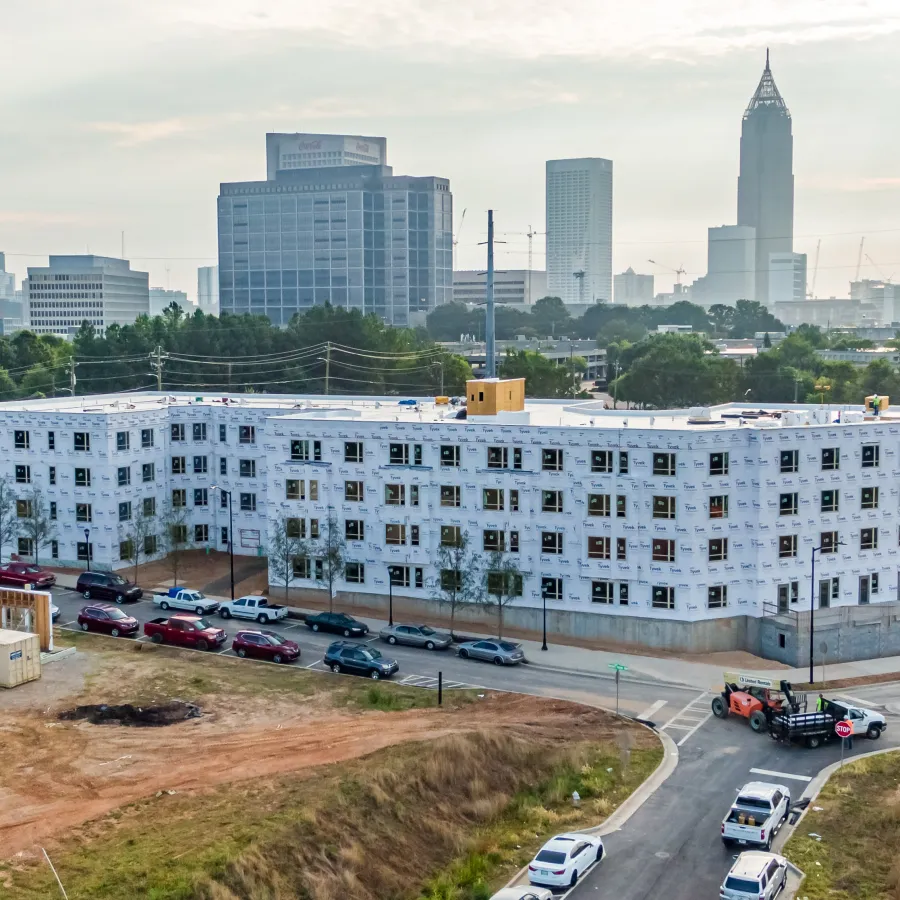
[(107, 586), (337, 623), (358, 659)]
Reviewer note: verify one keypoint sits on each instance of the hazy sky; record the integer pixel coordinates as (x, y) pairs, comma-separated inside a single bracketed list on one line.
[(118, 115)]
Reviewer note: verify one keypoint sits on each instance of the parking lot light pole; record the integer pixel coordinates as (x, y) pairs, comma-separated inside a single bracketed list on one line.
[(227, 494), (87, 542), (390, 596), (544, 598)]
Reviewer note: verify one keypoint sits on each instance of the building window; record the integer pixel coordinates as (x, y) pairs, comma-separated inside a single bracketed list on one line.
[(718, 463), (295, 528), (82, 478), (149, 507), (514, 542), (493, 540), (717, 596), (450, 495), (354, 530), (871, 456), (355, 573), (492, 498), (81, 441), (223, 439), (718, 549), (551, 460), (664, 464), (247, 434), (451, 580), (663, 507), (451, 535), (498, 457), (621, 548), (398, 454), (23, 474), (413, 495), (124, 476), (22, 440), (199, 431), (551, 501), (395, 494), (395, 534), (551, 542), (602, 461), (662, 597), (51, 474), (718, 507), (150, 544), (201, 497), (598, 547), (177, 431), (623, 462), (621, 506), (601, 592), (23, 509), (787, 546), (53, 510), (223, 534), (247, 468), (353, 451), (201, 465), (399, 575), (248, 502), (307, 451), (828, 541), (148, 472), (224, 499), (353, 491), (598, 505), (201, 534), (179, 465), (787, 505), (663, 550), (223, 466), (551, 588), (830, 501), (790, 461), (26, 546), (868, 539), (179, 498), (869, 498), (831, 458), (54, 549), (51, 440), (84, 551), (450, 455), (123, 440), (300, 567), (146, 438), (829, 589), (513, 500), (295, 489), (125, 511), (83, 512)]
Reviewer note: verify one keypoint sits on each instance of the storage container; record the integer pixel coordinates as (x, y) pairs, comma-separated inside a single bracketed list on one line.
[(20, 657)]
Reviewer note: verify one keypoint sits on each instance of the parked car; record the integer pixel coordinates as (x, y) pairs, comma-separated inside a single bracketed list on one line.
[(523, 892), (265, 645), (187, 599), (257, 608), (107, 619), (757, 814), (22, 573), (564, 859), (107, 586), (337, 623), (357, 659), (416, 636), (54, 611), (501, 653), (755, 876), (188, 631)]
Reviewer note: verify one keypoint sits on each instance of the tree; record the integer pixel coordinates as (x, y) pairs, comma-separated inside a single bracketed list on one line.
[(450, 320), (722, 317), (812, 334), (503, 583), (9, 526), (549, 316), (767, 341), (543, 377), (329, 552), (750, 317), (135, 535), (683, 313), (35, 521), (617, 331), (879, 377), (175, 537), (460, 581), (285, 548)]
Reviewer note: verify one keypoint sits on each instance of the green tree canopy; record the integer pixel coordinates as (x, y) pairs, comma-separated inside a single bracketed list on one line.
[(543, 377), (750, 317)]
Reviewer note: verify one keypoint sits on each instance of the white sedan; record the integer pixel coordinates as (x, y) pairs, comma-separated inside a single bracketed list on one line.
[(523, 892), (564, 859)]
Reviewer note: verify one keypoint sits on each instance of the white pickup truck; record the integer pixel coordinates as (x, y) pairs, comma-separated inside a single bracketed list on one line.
[(757, 814), (186, 599), (257, 608)]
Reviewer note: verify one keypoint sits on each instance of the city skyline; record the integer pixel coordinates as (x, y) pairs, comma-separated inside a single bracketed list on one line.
[(664, 106)]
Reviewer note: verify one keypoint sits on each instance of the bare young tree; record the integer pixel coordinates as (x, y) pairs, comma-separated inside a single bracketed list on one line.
[(34, 521), (9, 525), (135, 534), (329, 556), (460, 581), (287, 544), (504, 584), (174, 533)]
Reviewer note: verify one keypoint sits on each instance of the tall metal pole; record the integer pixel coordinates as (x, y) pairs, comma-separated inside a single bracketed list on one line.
[(391, 596), (490, 351), (544, 598), (812, 611), (327, 366), (231, 543)]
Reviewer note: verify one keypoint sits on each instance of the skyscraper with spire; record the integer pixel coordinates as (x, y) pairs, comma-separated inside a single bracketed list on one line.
[(766, 180)]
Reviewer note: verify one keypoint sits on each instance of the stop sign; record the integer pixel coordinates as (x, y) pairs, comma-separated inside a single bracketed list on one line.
[(843, 729)]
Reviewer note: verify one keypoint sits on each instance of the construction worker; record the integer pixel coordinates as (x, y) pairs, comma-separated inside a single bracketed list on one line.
[(848, 742), (876, 404), (820, 704)]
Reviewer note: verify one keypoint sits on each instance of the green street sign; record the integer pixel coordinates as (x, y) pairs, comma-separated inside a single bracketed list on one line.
[(618, 667)]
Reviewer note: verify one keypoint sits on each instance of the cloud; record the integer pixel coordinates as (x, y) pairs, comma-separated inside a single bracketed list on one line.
[(35, 217), (132, 134)]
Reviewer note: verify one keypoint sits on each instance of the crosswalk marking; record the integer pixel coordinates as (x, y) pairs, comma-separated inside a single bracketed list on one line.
[(780, 774), (651, 709), (692, 717), (427, 681)]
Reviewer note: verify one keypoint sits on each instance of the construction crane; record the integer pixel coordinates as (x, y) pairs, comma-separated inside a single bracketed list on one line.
[(811, 293), (462, 219), (531, 235), (678, 272), (862, 242), (878, 269)]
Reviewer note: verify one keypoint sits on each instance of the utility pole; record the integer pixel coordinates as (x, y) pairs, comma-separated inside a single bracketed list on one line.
[(156, 360), (72, 377), (616, 387), (490, 352), (327, 366)]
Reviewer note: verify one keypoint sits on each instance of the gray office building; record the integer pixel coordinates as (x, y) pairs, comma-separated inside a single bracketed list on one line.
[(356, 236)]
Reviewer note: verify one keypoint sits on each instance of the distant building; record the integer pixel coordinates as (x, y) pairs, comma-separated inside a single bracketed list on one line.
[(787, 277), (679, 293), (579, 230), (11, 307), (316, 151), (632, 289), (512, 287), (162, 298), (883, 295), (730, 267), (831, 313), (208, 289), (766, 180), (74, 289)]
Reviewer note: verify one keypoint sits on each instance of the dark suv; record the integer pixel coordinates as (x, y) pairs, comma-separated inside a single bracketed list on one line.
[(107, 586), (358, 659)]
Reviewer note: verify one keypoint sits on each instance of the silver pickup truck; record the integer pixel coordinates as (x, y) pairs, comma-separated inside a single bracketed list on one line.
[(757, 814)]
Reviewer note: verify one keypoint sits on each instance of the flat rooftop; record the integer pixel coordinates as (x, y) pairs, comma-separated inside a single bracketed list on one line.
[(541, 413)]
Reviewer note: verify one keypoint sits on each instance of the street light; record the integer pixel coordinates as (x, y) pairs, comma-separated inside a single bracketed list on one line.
[(441, 364), (812, 604), (544, 598), (87, 541), (227, 494), (390, 596)]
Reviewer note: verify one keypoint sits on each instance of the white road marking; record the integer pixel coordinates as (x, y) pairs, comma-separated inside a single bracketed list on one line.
[(650, 710), (226, 650), (780, 774), (69, 624), (372, 640), (312, 665), (856, 700), (692, 723)]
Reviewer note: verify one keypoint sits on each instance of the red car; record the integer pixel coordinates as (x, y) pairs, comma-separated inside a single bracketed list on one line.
[(108, 619), (265, 645), (21, 573)]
